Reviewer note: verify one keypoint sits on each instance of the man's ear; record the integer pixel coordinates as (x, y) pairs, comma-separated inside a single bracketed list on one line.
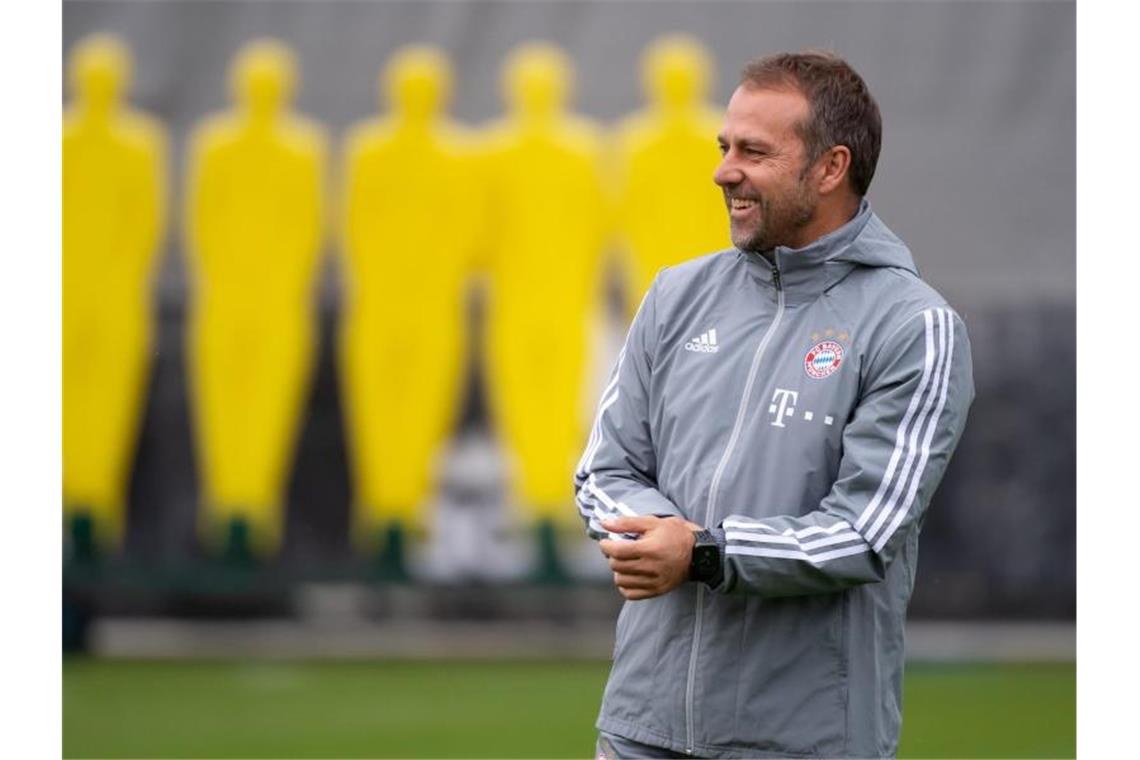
[(833, 166)]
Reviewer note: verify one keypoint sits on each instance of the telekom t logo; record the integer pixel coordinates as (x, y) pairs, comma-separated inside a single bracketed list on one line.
[(783, 405)]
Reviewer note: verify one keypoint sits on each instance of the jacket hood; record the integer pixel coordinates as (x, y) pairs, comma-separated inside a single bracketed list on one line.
[(872, 245)]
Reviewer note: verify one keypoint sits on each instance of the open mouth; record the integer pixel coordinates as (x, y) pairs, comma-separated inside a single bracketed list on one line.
[(741, 206)]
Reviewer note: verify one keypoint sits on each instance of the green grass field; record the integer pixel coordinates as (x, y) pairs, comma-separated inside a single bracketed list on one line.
[(485, 709)]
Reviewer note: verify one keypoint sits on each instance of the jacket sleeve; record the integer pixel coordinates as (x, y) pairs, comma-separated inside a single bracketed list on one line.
[(896, 446), (617, 474)]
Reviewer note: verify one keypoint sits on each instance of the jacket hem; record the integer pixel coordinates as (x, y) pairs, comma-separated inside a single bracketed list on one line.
[(654, 738)]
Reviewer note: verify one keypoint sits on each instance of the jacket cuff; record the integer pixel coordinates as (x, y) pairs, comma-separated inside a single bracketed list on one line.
[(717, 580)]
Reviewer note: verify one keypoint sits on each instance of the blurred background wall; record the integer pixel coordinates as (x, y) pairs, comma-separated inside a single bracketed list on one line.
[(977, 175)]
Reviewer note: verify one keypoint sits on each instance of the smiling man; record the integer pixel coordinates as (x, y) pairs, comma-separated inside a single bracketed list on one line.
[(765, 451)]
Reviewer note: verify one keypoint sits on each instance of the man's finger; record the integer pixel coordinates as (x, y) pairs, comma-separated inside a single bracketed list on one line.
[(636, 594), (630, 567), (638, 524), (620, 549), (634, 581)]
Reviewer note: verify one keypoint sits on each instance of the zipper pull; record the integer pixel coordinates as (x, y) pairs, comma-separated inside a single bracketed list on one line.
[(776, 277)]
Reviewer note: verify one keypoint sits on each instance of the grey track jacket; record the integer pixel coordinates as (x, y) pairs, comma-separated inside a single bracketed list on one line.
[(806, 413)]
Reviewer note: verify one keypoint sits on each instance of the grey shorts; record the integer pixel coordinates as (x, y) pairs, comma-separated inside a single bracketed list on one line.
[(613, 747)]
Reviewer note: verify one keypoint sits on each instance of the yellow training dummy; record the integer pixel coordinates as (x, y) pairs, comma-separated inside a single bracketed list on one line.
[(253, 225), (547, 229), (411, 210), (113, 211), (669, 208)]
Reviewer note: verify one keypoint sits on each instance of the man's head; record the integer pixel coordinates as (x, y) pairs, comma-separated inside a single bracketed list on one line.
[(800, 143)]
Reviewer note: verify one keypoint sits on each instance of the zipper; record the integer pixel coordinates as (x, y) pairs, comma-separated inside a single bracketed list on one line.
[(743, 409), (713, 487), (693, 669)]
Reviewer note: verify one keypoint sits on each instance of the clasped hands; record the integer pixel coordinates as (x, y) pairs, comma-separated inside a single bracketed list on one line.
[(654, 564)]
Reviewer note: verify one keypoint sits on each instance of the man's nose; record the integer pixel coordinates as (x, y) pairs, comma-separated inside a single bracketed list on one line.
[(727, 174)]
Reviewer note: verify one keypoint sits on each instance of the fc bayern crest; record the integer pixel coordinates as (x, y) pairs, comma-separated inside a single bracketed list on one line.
[(823, 359)]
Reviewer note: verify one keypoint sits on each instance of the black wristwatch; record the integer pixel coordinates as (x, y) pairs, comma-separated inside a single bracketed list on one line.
[(705, 565)]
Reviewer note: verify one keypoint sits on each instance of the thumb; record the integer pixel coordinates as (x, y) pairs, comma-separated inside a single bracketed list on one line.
[(639, 524)]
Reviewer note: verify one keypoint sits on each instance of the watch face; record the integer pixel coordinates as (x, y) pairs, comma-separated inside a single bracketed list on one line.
[(705, 561)]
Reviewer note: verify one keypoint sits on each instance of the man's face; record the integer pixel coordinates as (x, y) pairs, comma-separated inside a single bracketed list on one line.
[(762, 172)]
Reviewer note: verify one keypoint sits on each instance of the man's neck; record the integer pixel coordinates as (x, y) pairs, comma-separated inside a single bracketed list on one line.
[(829, 217)]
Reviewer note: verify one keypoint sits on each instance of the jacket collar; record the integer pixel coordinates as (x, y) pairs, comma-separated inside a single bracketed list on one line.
[(807, 272)]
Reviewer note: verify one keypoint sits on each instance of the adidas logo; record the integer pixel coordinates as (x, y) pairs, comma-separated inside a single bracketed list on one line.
[(705, 343)]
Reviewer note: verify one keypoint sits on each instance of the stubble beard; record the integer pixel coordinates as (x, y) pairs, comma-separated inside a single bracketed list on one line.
[(779, 222)]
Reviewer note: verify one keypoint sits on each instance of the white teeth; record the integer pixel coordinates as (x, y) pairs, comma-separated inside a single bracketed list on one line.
[(741, 203)]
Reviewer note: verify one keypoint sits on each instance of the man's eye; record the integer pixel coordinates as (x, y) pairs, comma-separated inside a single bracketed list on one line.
[(722, 148)]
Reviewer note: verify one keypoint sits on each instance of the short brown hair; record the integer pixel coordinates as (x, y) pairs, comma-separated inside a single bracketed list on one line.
[(842, 109)]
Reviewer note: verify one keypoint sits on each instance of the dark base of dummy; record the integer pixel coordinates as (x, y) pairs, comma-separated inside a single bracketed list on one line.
[(548, 568), (391, 561)]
